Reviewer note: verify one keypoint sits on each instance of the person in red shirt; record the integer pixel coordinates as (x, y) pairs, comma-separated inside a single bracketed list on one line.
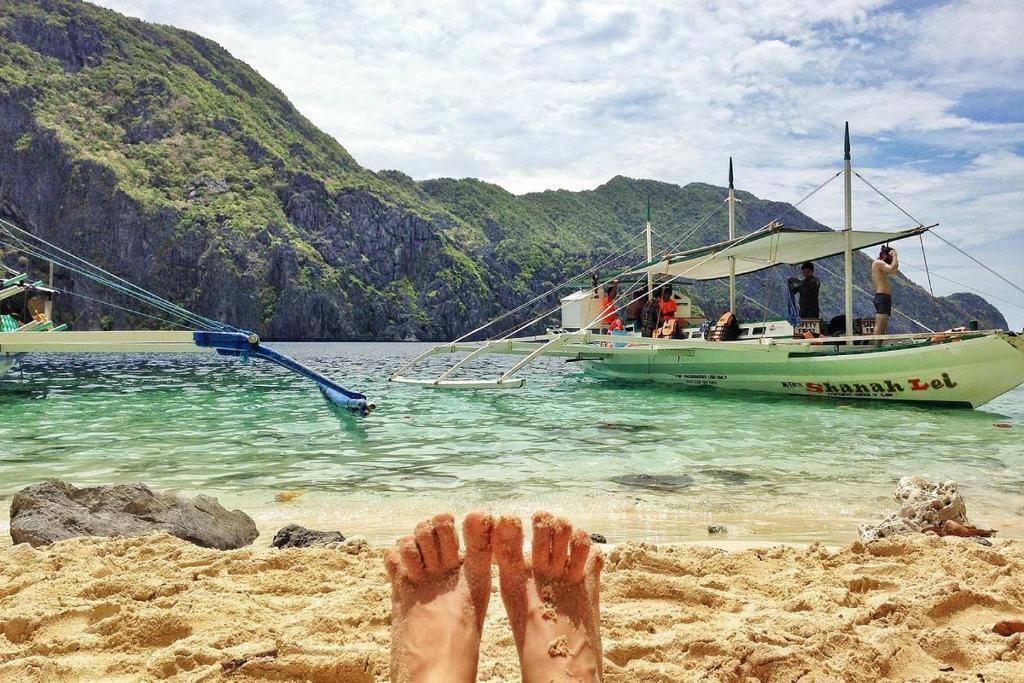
[(666, 304), (609, 314)]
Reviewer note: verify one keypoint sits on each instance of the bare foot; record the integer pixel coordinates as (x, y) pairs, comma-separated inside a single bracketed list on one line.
[(438, 602), (552, 600)]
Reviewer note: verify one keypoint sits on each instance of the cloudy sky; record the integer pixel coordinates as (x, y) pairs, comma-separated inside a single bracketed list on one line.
[(551, 94)]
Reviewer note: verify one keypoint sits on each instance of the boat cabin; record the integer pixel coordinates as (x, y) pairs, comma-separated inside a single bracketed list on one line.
[(583, 309)]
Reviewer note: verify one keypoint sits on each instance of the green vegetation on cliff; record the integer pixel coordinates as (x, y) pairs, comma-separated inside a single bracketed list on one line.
[(153, 152)]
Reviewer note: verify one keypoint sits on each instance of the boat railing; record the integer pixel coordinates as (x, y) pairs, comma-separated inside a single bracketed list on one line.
[(908, 337)]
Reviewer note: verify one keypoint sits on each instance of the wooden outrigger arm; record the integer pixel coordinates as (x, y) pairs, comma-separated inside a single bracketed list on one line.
[(532, 348), (224, 343)]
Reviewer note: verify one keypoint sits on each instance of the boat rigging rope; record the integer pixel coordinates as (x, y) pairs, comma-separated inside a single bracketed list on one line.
[(588, 271), (926, 270), (935, 234), (28, 249), (709, 216), (101, 276), (739, 241), (810, 194), (124, 308), (887, 198), (697, 227), (618, 300), (752, 300), (516, 329), (1015, 286), (966, 286)]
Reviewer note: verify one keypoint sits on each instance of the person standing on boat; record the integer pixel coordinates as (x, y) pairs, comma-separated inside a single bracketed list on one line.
[(807, 288), (885, 265)]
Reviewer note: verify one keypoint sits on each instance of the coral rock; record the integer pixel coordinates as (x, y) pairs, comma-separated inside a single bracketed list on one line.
[(923, 504)]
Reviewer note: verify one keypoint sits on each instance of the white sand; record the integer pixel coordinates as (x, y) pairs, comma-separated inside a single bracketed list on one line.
[(156, 608)]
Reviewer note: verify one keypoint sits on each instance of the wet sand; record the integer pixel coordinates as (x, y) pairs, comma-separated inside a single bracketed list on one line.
[(640, 517), (157, 608)]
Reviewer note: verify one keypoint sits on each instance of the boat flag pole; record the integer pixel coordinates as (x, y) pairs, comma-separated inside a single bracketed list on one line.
[(848, 253), (732, 236), (650, 251)]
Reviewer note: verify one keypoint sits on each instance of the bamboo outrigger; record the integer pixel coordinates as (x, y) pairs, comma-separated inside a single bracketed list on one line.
[(28, 327)]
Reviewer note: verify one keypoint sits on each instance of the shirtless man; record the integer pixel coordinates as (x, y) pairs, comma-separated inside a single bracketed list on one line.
[(439, 598), (885, 265)]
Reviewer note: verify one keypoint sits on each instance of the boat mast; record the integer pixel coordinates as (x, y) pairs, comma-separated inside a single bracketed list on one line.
[(732, 236), (650, 251), (848, 254)]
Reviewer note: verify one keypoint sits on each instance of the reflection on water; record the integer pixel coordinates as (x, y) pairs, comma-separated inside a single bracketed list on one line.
[(771, 467)]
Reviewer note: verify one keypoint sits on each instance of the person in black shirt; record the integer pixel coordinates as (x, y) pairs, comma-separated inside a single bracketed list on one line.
[(807, 288), (650, 315)]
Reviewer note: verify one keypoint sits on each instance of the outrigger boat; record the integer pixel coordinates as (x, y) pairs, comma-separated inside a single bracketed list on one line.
[(965, 367), (26, 325)]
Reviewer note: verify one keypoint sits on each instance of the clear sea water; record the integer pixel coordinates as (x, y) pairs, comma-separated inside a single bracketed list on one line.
[(769, 469)]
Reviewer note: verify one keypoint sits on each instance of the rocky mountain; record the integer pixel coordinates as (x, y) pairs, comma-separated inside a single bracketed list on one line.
[(152, 152)]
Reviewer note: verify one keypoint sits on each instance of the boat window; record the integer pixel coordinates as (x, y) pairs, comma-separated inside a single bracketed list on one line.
[(758, 330)]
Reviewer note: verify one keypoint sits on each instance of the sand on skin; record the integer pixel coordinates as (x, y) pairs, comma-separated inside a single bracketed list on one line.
[(157, 608)]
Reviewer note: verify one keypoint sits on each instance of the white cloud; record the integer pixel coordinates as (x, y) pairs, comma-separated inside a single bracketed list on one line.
[(546, 94), (977, 38)]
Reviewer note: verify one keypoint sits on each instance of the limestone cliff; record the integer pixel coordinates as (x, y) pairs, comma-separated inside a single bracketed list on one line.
[(152, 152)]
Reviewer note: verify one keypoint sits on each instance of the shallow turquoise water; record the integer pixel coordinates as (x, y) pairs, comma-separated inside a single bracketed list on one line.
[(769, 468)]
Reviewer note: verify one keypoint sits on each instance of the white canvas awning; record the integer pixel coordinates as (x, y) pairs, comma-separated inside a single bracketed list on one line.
[(765, 248)]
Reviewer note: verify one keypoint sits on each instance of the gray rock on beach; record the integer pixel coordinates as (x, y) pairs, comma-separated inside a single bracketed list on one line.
[(923, 504), (55, 510), (295, 536)]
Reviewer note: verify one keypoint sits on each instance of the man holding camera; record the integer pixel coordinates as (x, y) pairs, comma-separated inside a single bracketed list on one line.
[(885, 265)]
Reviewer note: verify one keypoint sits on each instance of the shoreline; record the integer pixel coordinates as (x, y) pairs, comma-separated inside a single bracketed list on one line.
[(382, 520)]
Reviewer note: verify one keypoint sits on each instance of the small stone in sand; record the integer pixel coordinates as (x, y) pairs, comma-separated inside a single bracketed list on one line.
[(559, 647), (717, 529), (295, 536), (598, 538), (233, 665), (1008, 628)]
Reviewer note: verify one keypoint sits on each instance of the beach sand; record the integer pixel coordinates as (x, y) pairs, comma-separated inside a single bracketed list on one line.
[(157, 608)]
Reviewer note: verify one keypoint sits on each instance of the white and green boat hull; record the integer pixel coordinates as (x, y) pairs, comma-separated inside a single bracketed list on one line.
[(965, 372)]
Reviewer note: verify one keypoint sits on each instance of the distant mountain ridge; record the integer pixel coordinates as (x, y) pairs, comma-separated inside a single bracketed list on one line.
[(154, 153)]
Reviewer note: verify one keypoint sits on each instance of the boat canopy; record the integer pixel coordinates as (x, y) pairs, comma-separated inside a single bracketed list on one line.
[(767, 247)]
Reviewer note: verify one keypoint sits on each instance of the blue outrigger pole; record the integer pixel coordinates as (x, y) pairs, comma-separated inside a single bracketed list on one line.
[(247, 344), (211, 334)]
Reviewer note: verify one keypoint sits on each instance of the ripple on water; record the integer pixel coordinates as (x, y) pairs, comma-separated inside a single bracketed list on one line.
[(198, 423)]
